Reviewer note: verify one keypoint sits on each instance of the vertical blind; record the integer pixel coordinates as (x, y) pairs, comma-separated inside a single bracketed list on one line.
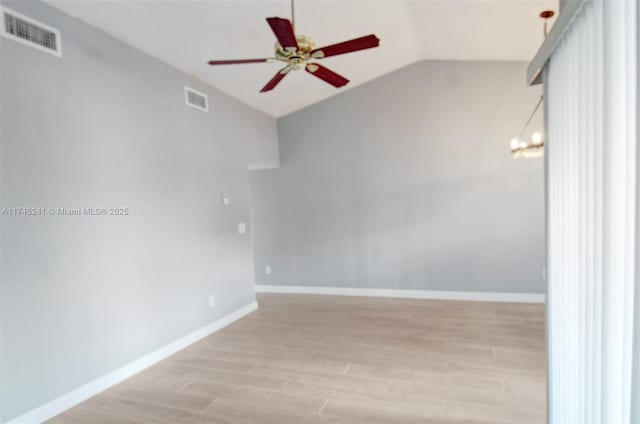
[(591, 85)]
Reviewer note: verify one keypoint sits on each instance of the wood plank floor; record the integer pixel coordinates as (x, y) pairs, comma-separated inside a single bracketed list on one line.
[(345, 360)]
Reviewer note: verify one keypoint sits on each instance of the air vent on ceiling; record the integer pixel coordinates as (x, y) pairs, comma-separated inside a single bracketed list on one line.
[(25, 30), (196, 99)]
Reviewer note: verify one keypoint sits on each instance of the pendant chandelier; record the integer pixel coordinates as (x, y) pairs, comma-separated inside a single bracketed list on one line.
[(534, 147)]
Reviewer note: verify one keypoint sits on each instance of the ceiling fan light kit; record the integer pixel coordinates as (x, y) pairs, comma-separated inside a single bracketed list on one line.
[(297, 50)]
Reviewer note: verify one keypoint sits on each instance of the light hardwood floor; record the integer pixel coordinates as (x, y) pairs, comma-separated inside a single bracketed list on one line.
[(346, 360)]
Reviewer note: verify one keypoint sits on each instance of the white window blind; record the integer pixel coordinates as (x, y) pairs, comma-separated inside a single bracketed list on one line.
[(591, 84)]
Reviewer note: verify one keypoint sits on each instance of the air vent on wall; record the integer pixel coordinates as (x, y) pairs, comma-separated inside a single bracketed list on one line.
[(25, 30), (196, 99)]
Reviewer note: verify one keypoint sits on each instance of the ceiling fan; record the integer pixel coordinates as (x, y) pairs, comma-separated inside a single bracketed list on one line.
[(297, 50)]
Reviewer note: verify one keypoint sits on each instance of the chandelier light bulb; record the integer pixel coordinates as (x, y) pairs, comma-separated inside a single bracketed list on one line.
[(536, 138), (515, 143)]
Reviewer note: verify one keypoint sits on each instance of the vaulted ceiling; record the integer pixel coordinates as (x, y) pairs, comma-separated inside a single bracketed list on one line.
[(186, 34)]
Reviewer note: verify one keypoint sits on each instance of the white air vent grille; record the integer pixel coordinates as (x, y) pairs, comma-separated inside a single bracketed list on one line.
[(27, 31), (196, 99)]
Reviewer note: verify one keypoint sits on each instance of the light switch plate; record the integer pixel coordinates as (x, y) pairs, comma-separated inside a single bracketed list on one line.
[(267, 269), (212, 300), (242, 228), (225, 199)]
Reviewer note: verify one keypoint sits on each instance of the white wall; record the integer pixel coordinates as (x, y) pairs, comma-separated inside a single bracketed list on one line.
[(406, 182), (106, 126)]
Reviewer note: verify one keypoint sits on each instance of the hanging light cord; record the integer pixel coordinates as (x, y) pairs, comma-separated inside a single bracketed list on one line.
[(293, 16), (546, 15), (544, 31), (535, 109)]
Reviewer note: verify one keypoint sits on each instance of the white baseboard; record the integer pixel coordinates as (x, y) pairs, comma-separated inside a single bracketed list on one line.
[(82, 393), (408, 294)]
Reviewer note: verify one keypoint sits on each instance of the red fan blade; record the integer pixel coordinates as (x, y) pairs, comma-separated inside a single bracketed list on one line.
[(326, 75), (283, 30), (366, 42), (237, 61), (275, 80)]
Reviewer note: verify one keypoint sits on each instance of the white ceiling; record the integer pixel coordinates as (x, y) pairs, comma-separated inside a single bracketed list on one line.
[(186, 34)]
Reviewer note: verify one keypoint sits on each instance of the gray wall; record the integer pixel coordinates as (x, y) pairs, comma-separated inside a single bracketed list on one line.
[(106, 126), (406, 182)]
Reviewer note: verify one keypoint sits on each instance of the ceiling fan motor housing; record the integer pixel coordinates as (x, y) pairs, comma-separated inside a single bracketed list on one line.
[(295, 58)]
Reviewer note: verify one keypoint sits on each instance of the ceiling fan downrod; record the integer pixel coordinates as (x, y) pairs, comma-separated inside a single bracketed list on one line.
[(293, 16)]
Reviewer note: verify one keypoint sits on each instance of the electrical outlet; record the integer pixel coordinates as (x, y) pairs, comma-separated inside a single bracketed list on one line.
[(212, 300), (267, 269), (242, 228)]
